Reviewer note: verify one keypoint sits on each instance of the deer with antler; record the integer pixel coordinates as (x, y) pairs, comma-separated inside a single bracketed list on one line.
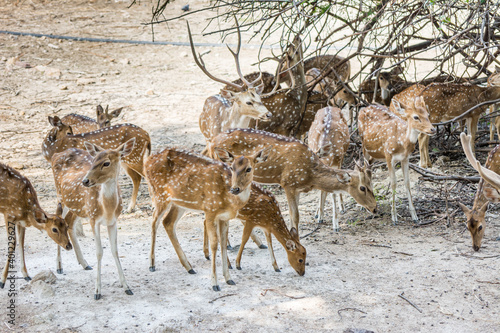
[(387, 137), (87, 185), (232, 108), (447, 101), (180, 181), (61, 137), (488, 190), (329, 139), (262, 211), (83, 124), (21, 209), (295, 167)]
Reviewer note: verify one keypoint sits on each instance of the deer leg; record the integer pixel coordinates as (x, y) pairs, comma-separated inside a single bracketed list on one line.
[(335, 213), (214, 244), (257, 240), (169, 222), (321, 208), (10, 227), (157, 216), (20, 236), (70, 220), (423, 145), (406, 175), (247, 231), (223, 233), (392, 175), (136, 180), (98, 252), (269, 239), (112, 233), (293, 202), (492, 123), (205, 241)]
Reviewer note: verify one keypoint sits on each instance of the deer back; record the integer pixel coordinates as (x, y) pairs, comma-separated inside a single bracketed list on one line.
[(407, 96), (329, 136), (80, 124), (58, 140), (324, 62), (262, 210)]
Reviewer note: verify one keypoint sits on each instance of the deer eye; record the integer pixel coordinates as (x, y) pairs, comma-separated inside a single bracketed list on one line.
[(248, 170), (480, 228), (416, 118), (54, 230), (106, 164), (362, 188), (249, 103)]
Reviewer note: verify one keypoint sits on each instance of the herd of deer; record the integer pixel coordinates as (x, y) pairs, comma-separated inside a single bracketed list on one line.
[(249, 129)]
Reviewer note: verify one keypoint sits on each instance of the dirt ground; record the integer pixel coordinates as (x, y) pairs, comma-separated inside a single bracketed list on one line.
[(353, 279)]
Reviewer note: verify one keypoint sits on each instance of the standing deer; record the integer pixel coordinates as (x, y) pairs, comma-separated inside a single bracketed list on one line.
[(446, 101), (387, 137), (83, 124), (181, 181), (389, 84), (60, 138), (295, 167), (326, 87), (87, 185), (262, 211), (21, 209), (329, 139), (232, 108), (488, 190)]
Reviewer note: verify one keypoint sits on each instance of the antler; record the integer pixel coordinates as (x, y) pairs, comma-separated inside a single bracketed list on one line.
[(236, 56), (201, 64)]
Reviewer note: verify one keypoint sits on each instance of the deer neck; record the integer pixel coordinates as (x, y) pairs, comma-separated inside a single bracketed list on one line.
[(235, 119), (325, 179), (491, 93), (281, 233), (242, 198), (109, 195)]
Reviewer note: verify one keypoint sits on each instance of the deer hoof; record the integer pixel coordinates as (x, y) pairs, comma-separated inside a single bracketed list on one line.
[(129, 292), (191, 271), (27, 278), (97, 297), (277, 270), (229, 266), (59, 271), (88, 268), (229, 247), (152, 269), (207, 257), (320, 221), (336, 229), (2, 285), (216, 288), (238, 268), (498, 238), (262, 246), (230, 282)]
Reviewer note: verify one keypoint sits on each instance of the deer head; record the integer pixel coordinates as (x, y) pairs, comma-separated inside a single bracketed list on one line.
[(54, 225), (105, 163), (104, 117), (385, 81), (416, 115), (361, 189), (59, 129), (242, 167), (296, 253), (475, 223)]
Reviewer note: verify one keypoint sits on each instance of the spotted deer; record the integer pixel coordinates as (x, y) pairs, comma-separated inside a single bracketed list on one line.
[(387, 137), (61, 137), (87, 185), (329, 139), (447, 101), (389, 84), (327, 87), (180, 181), (232, 108), (295, 167), (262, 211), (83, 124), (21, 209), (488, 190)]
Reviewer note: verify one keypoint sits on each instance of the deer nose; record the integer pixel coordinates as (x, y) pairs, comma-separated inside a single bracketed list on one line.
[(86, 182), (69, 246), (375, 210), (475, 247), (269, 115), (433, 130), (235, 190)]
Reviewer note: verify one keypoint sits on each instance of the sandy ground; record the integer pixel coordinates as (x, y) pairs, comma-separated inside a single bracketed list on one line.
[(353, 278)]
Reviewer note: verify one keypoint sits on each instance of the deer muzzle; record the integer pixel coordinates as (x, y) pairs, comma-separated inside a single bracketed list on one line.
[(87, 183), (68, 247)]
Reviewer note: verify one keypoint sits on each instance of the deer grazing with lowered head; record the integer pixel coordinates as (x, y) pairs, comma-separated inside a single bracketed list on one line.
[(21, 209), (329, 139), (232, 108), (262, 211), (387, 137), (295, 167), (488, 190), (180, 181), (447, 101), (83, 124), (87, 186), (61, 137)]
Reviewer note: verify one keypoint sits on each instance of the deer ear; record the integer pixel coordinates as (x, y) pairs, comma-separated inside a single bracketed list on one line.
[(400, 107), (325, 150), (397, 70), (127, 147), (40, 216), (116, 113), (59, 210), (291, 245), (92, 149), (227, 94), (262, 155), (55, 121), (465, 209), (420, 103), (224, 155), (260, 88), (484, 207), (294, 233), (343, 177), (99, 110)]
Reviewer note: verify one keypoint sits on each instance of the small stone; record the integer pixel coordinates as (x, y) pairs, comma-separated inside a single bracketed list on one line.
[(184, 54), (63, 87), (46, 276), (125, 61), (84, 81), (17, 165), (150, 92)]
